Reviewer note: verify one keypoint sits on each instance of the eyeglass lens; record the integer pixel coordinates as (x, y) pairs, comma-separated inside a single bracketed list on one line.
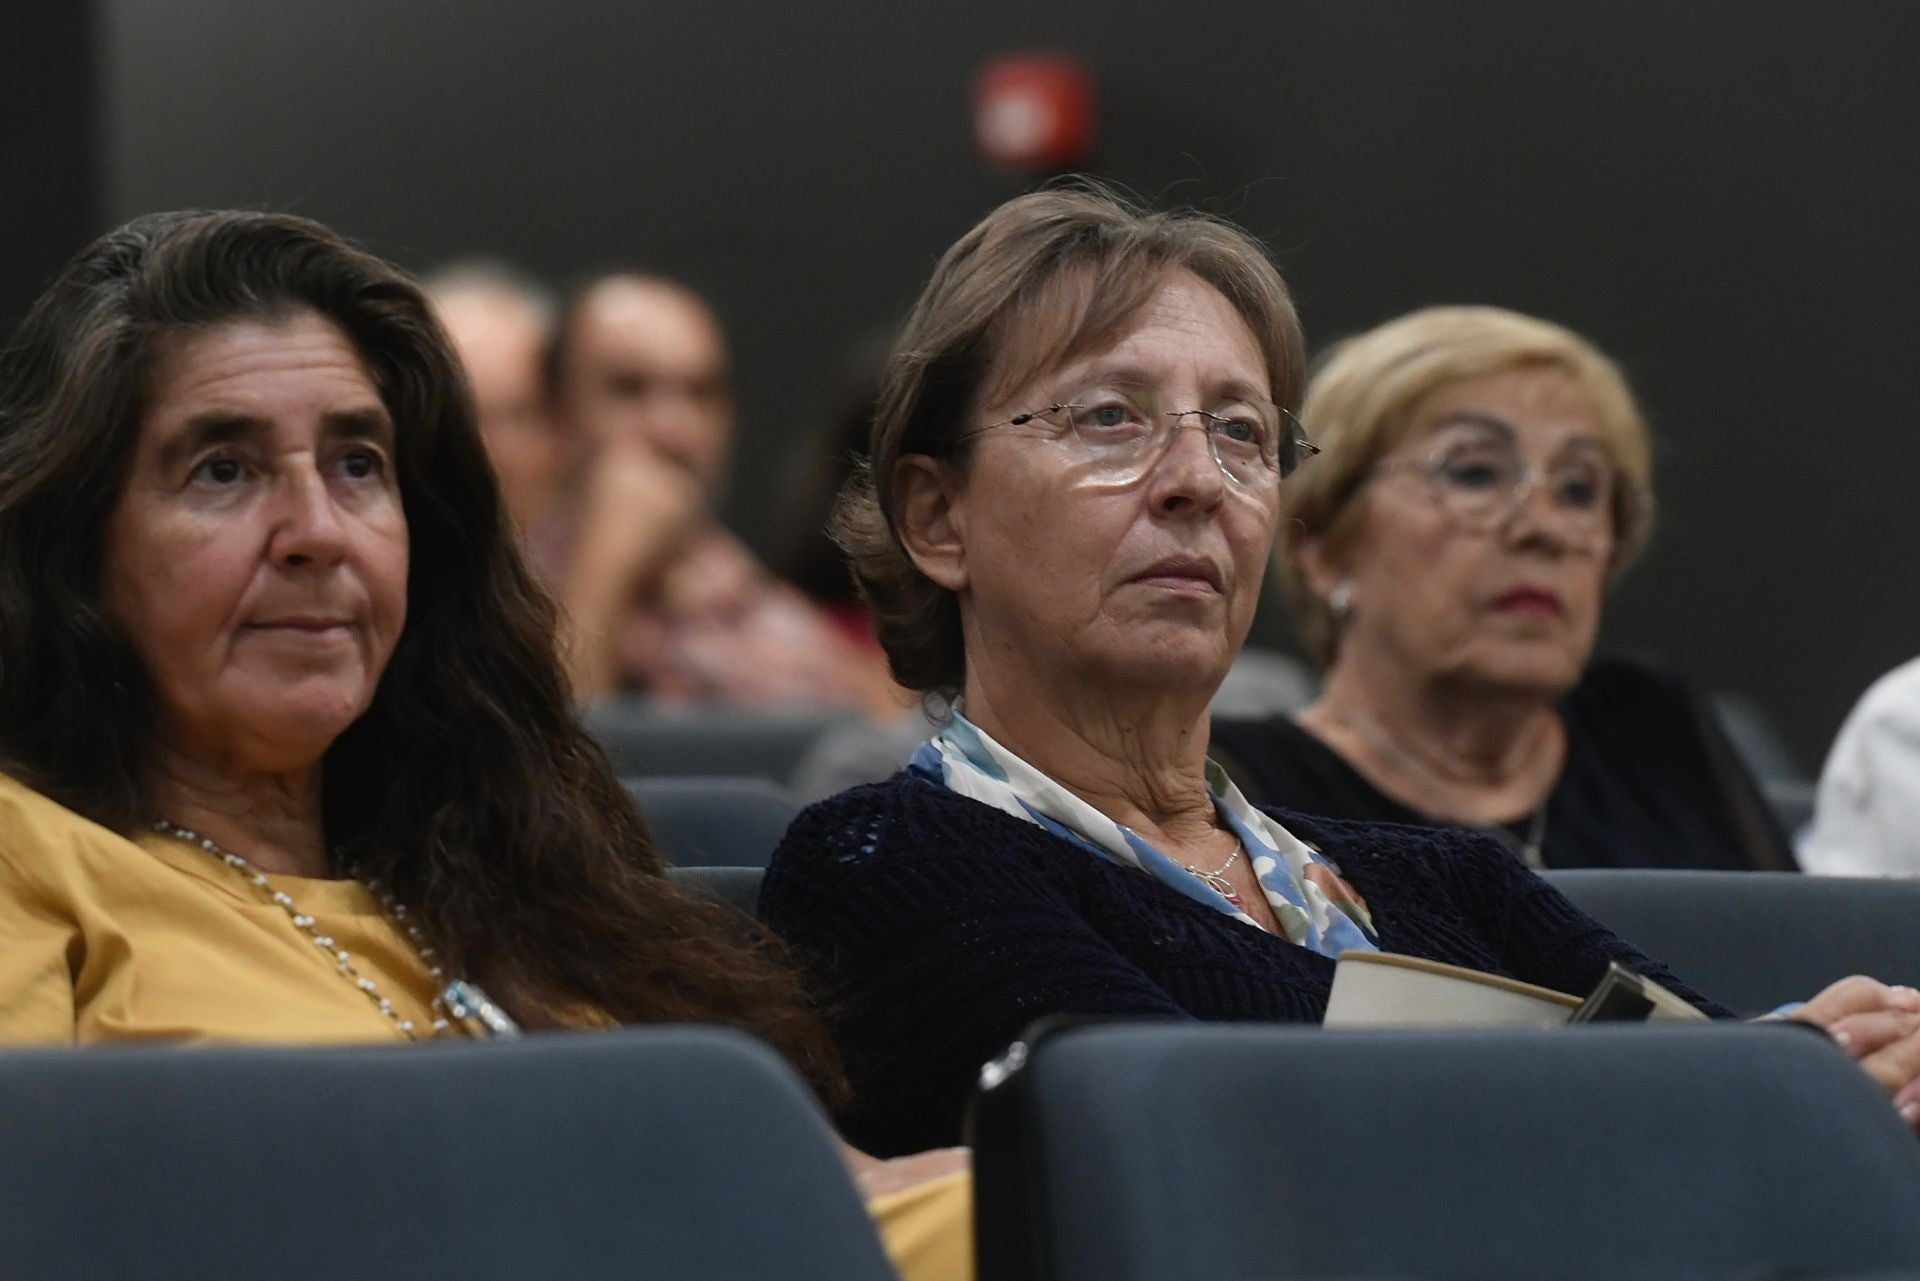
[(1124, 429), (1482, 483)]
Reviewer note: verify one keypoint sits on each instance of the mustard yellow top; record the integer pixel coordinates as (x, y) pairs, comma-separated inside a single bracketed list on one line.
[(107, 939)]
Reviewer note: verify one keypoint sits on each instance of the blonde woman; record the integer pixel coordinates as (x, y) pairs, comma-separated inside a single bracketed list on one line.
[(1484, 477)]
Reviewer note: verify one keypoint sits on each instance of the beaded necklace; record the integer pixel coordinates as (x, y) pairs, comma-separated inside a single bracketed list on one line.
[(1216, 880), (343, 961)]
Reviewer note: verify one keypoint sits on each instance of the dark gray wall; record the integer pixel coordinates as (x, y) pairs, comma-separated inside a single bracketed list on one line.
[(1720, 192), (49, 163)]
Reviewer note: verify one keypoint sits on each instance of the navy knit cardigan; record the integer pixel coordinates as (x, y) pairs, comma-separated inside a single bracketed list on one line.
[(936, 928)]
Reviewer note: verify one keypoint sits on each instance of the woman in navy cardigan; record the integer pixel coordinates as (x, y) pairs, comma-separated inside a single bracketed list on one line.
[(1073, 492)]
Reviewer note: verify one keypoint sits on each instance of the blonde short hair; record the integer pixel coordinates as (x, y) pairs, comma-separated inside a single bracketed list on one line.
[(1362, 402)]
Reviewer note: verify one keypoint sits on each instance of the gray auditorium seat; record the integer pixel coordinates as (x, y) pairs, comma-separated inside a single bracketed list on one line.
[(1762, 748), (714, 822), (1792, 801), (1756, 940), (666, 1153), (1127, 1152), (643, 740), (1788, 789), (737, 887)]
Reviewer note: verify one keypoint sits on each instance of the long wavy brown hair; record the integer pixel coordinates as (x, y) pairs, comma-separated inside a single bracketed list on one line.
[(468, 788)]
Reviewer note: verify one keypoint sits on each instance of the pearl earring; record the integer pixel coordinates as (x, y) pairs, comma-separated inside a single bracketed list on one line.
[(1340, 600)]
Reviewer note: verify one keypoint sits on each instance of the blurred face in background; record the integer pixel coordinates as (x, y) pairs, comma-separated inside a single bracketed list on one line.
[(501, 340), (1509, 599), (647, 368)]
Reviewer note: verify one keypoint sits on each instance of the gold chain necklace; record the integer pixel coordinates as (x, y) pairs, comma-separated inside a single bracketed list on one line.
[(459, 998)]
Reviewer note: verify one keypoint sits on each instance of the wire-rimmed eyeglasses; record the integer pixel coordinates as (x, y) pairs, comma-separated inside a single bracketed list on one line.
[(1482, 484), (1123, 431)]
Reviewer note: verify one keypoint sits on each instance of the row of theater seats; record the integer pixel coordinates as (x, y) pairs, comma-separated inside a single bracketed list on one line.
[(1752, 940), (1115, 1152), (1724, 1152), (646, 741)]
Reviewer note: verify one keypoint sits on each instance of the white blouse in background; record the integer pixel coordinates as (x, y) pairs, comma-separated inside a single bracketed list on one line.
[(1866, 818)]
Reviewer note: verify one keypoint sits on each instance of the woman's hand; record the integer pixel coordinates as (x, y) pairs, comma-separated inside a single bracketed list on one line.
[(638, 513), (1878, 1024), (1853, 997), (876, 1177)]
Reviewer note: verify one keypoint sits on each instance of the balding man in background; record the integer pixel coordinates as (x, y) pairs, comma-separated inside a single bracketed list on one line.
[(501, 323), (660, 598)]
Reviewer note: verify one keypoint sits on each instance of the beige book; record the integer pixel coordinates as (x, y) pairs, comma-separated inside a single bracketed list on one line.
[(1384, 989)]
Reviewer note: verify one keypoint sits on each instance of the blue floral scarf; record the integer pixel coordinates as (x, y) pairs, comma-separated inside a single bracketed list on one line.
[(965, 760)]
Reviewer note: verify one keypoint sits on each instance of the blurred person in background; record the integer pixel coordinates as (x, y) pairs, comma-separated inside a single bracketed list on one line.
[(501, 322), (287, 750), (804, 553), (1866, 818), (660, 598), (1484, 477)]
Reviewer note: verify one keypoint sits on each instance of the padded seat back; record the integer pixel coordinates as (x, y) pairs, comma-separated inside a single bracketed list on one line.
[(1126, 1152), (649, 1153), (641, 740), (714, 822), (737, 887), (1756, 940)]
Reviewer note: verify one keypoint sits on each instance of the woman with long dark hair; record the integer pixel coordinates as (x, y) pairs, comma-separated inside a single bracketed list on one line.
[(288, 753)]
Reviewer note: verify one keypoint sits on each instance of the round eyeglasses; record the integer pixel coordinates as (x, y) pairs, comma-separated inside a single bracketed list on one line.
[(1481, 486), (1123, 431)]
